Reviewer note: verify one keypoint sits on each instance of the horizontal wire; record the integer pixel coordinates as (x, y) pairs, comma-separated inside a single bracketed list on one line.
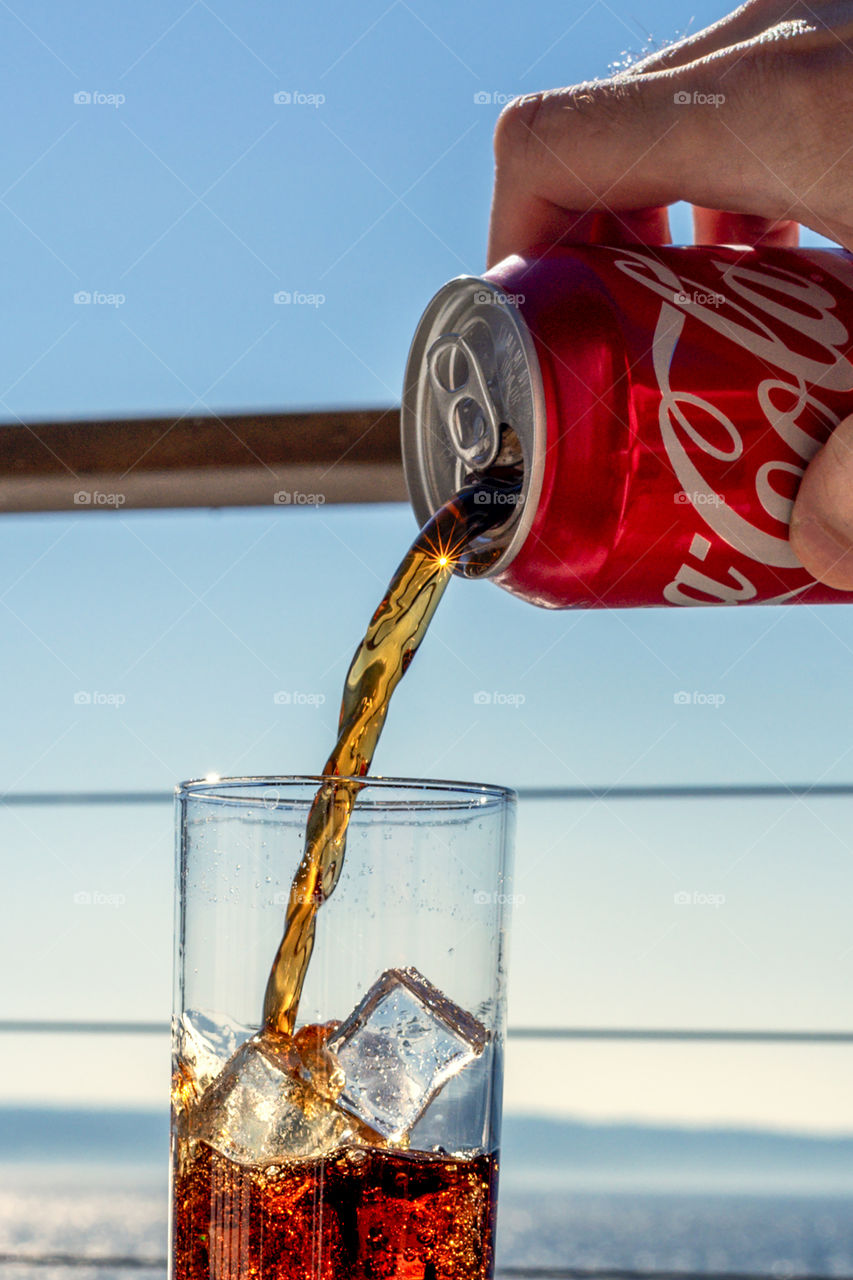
[(686, 791), (659, 1034)]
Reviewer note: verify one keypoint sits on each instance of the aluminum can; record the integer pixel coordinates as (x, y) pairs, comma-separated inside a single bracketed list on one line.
[(661, 405)]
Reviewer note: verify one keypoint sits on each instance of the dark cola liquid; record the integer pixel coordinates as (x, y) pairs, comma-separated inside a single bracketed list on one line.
[(359, 1215)]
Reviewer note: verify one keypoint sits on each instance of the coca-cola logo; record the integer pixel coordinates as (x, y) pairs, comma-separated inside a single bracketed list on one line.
[(760, 302)]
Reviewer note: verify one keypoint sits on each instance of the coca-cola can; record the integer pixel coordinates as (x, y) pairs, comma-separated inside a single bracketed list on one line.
[(660, 405)]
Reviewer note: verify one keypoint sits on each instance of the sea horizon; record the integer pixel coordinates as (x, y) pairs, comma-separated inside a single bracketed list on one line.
[(571, 1154)]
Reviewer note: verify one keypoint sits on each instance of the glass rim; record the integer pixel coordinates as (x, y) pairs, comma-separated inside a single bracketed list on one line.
[(230, 790)]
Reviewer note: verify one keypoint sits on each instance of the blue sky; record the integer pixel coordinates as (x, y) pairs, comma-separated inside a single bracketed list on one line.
[(196, 199)]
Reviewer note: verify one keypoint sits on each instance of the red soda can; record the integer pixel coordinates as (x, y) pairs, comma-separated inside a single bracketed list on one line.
[(661, 404)]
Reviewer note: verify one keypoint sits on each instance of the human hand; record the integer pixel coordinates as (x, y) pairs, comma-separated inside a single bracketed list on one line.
[(747, 121)]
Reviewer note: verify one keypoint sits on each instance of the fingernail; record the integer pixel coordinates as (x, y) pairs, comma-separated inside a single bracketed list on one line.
[(826, 553)]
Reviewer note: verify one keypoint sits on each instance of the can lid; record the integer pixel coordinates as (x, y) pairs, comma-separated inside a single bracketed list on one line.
[(473, 403)]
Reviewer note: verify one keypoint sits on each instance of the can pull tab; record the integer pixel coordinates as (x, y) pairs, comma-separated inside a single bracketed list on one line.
[(462, 398)]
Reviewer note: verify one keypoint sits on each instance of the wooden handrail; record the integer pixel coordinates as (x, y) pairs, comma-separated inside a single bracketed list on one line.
[(227, 460)]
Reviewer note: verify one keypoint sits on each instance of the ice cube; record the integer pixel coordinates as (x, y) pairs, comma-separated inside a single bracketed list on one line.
[(204, 1043), (399, 1047), (259, 1111)]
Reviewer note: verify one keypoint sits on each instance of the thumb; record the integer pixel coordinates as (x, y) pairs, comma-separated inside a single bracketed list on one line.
[(822, 518)]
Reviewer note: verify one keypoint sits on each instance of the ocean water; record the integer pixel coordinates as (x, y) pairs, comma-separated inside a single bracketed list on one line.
[(713, 1235), (114, 1212), (75, 1187)]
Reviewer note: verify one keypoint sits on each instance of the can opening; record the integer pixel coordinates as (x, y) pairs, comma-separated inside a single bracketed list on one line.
[(472, 413), (507, 470), (509, 453), (504, 482)]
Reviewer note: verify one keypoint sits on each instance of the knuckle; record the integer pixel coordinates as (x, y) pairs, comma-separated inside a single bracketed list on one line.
[(516, 126), (535, 127)]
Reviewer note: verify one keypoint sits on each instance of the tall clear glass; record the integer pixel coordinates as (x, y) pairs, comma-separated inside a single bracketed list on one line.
[(367, 1143)]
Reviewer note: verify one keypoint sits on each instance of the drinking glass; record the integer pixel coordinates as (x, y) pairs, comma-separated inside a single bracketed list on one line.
[(366, 1144)]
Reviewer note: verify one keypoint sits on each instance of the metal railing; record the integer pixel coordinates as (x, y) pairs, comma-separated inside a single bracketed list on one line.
[(218, 460)]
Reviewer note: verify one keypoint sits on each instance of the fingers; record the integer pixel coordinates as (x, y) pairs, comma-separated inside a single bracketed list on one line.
[(635, 145), (822, 519), (713, 226), (543, 224), (757, 128), (630, 226), (744, 24), (556, 164)]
